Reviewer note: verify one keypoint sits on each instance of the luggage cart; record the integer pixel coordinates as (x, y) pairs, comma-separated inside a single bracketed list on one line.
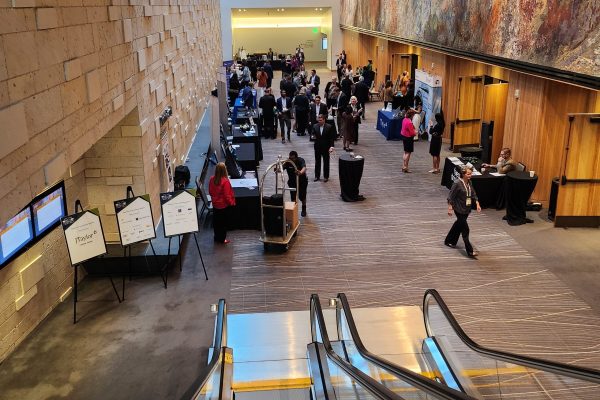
[(282, 219)]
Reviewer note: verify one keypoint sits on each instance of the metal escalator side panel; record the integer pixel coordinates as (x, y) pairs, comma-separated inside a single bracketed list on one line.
[(319, 369), (226, 391)]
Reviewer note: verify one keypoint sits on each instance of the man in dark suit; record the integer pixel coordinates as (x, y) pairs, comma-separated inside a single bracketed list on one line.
[(346, 85), (361, 91), (267, 104), (317, 108), (248, 96), (289, 87), (315, 81), (324, 142), (284, 113), (269, 70), (341, 104)]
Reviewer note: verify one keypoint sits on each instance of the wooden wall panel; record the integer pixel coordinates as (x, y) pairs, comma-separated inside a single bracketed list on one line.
[(494, 109), (351, 45)]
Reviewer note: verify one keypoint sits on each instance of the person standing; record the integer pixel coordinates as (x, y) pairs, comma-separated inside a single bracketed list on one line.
[(340, 104), (223, 198), (461, 198), (261, 81), (329, 91), (361, 92), (357, 113), (315, 81), (317, 108), (388, 94), (301, 108), (435, 146), (324, 142), (248, 95), (346, 85), (284, 114), (269, 70), (300, 172), (268, 105), (408, 134), (417, 119)]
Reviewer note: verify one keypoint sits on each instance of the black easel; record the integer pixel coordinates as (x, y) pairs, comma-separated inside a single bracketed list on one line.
[(129, 194), (79, 208), (180, 256)]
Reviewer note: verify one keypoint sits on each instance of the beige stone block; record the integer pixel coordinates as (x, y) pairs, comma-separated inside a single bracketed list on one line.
[(114, 73), (25, 298), (37, 181), (21, 87), (80, 41), (141, 58), (92, 80), (127, 30), (48, 77), (56, 168), (14, 132), (148, 12), (73, 95), (23, 3), (20, 52), (131, 131), (114, 13), (72, 69), (97, 14), (93, 173), (119, 180), (31, 274), (51, 46), (46, 18), (74, 15), (151, 40), (161, 93), (16, 20), (78, 167), (118, 102), (129, 83), (43, 110)]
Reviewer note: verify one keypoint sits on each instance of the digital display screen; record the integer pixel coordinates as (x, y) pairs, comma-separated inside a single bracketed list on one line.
[(48, 210), (15, 235), (324, 43)]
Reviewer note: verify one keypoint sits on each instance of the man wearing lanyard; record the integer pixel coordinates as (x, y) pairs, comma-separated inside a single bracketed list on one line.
[(460, 200), (324, 142)]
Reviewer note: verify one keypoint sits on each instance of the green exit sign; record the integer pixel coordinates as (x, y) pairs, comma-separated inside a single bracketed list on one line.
[(315, 30)]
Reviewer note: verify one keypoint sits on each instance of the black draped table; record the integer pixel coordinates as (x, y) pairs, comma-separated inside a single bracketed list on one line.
[(489, 188), (519, 187), (250, 136), (351, 170), (245, 154), (246, 212)]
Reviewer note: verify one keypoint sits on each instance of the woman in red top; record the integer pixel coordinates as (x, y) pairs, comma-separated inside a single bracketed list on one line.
[(222, 197), (408, 134)]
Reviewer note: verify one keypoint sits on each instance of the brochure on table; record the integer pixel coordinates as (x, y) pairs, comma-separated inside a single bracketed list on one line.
[(179, 212), (84, 235), (134, 218)]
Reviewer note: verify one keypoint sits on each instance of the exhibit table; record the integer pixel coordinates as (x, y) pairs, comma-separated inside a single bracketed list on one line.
[(243, 116), (488, 186), (246, 212), (245, 154), (518, 188), (350, 170), (249, 136), (388, 126)]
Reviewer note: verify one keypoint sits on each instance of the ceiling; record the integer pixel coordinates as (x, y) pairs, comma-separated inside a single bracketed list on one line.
[(272, 12)]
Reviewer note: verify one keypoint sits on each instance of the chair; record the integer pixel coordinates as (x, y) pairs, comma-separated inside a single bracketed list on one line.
[(521, 167), (375, 93), (206, 200)]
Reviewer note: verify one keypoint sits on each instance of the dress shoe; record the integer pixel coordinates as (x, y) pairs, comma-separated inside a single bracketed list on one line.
[(473, 254), (450, 245), (317, 179), (325, 180), (303, 213)]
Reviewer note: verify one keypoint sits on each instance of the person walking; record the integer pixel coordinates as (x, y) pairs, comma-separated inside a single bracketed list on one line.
[(324, 142), (408, 134), (301, 109), (300, 172), (223, 199), (461, 198), (435, 146), (268, 105), (284, 114)]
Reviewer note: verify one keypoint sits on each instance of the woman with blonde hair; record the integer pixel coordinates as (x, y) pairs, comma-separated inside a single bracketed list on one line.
[(223, 199)]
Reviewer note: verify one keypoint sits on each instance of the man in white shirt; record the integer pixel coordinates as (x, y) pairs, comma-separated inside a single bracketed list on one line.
[(416, 120)]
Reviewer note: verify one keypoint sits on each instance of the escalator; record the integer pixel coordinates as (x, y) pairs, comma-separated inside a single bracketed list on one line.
[(469, 370)]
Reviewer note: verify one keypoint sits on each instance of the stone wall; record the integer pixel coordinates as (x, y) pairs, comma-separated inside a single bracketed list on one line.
[(70, 71)]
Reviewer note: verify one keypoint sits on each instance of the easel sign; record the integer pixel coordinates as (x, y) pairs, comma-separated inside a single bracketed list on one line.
[(134, 219), (180, 212), (84, 235)]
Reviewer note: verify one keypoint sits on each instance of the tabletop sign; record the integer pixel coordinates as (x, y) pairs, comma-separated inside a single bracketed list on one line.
[(179, 211), (84, 235), (134, 218)]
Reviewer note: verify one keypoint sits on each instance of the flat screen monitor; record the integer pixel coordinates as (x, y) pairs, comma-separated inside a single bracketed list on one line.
[(324, 43), (15, 235), (48, 208)]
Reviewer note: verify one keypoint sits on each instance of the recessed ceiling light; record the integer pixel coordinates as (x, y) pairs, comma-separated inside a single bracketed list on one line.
[(239, 9)]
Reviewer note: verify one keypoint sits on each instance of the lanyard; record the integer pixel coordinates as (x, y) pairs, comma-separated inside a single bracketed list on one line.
[(467, 188)]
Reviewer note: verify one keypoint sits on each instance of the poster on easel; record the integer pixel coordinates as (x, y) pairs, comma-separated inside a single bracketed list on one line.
[(134, 219), (84, 235), (179, 212)]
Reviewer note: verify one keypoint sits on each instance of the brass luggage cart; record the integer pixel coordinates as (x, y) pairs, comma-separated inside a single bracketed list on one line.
[(278, 217)]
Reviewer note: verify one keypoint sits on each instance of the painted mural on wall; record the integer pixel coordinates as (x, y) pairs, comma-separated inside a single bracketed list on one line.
[(563, 34)]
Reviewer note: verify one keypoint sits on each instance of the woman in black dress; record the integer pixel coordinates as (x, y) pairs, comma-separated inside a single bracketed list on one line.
[(435, 147)]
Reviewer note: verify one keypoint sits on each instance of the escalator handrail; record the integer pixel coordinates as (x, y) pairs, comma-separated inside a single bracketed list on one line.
[(374, 388), (427, 385), (573, 371), (219, 343)]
